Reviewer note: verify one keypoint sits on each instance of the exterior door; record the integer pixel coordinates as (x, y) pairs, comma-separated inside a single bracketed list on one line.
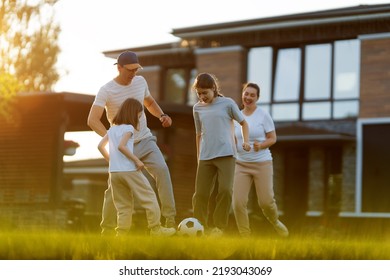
[(296, 184)]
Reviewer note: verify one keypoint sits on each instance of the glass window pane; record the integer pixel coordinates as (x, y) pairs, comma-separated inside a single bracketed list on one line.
[(316, 111), (265, 107), (175, 86), (318, 71), (346, 109), (346, 69), (260, 70), (192, 98), (285, 112), (288, 75)]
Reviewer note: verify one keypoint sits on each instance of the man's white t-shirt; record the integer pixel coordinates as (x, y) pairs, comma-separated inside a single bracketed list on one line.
[(112, 95)]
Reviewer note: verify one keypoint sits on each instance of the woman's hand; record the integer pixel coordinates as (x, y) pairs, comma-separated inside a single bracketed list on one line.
[(246, 146), (257, 146)]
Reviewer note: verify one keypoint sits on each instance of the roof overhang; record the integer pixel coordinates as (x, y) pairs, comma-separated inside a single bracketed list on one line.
[(352, 14)]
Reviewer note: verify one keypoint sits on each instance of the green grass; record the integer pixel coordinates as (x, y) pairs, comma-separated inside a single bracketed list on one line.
[(55, 245)]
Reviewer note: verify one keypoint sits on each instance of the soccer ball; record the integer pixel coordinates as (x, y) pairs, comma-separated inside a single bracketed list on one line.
[(190, 227)]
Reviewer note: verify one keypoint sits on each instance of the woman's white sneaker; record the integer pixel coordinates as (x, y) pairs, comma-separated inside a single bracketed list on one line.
[(280, 228)]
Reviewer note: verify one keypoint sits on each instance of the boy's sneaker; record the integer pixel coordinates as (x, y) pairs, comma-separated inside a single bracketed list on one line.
[(170, 222), (280, 228), (216, 232), (162, 231)]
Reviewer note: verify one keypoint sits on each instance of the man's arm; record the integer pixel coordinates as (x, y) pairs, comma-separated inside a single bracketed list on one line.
[(102, 147), (94, 121), (153, 108)]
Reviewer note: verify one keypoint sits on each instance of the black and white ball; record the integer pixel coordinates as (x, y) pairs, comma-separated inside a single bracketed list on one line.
[(190, 227)]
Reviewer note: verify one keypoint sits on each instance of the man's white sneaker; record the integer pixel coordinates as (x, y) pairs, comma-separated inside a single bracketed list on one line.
[(280, 228), (162, 231)]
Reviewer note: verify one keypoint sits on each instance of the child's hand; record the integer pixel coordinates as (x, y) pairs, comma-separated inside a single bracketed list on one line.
[(246, 146), (140, 165)]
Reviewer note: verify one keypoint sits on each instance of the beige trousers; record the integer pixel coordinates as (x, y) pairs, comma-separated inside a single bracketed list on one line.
[(261, 174), (123, 185)]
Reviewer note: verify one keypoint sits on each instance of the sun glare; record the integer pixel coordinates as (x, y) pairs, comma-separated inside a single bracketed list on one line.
[(88, 142)]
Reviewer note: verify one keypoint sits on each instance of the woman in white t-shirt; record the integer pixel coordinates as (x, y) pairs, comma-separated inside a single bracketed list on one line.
[(125, 175), (255, 166)]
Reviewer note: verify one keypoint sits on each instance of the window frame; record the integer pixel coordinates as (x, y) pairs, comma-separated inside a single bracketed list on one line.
[(302, 100)]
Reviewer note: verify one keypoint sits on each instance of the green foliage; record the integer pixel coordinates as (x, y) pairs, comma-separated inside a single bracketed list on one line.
[(9, 87), (29, 42)]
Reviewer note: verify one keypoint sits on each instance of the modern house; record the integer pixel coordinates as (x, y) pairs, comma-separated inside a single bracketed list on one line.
[(324, 78)]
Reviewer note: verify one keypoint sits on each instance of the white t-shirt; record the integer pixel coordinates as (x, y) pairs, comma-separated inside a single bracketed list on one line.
[(118, 161), (112, 95), (260, 123)]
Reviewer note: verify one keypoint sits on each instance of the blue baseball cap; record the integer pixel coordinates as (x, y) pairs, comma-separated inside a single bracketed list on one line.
[(129, 60)]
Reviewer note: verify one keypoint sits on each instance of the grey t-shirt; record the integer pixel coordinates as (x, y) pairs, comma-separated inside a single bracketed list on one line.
[(214, 122)]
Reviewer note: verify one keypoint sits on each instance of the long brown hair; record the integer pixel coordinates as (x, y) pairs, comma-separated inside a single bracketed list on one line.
[(207, 81), (128, 113)]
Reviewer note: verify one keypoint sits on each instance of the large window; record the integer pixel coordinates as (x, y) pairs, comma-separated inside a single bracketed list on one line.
[(177, 86), (287, 85), (317, 82), (260, 72), (346, 78), (310, 82)]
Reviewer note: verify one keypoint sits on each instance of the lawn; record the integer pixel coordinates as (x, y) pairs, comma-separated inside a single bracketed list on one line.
[(66, 245)]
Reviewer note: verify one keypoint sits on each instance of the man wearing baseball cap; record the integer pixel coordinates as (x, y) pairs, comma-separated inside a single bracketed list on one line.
[(110, 96), (128, 60)]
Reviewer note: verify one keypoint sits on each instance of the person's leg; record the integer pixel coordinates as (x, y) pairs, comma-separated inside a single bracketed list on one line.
[(225, 170), (109, 213), (149, 153), (241, 188), (204, 182), (145, 194), (263, 178), (121, 194)]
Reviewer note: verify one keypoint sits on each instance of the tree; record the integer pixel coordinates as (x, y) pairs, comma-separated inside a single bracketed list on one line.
[(29, 42), (9, 87)]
